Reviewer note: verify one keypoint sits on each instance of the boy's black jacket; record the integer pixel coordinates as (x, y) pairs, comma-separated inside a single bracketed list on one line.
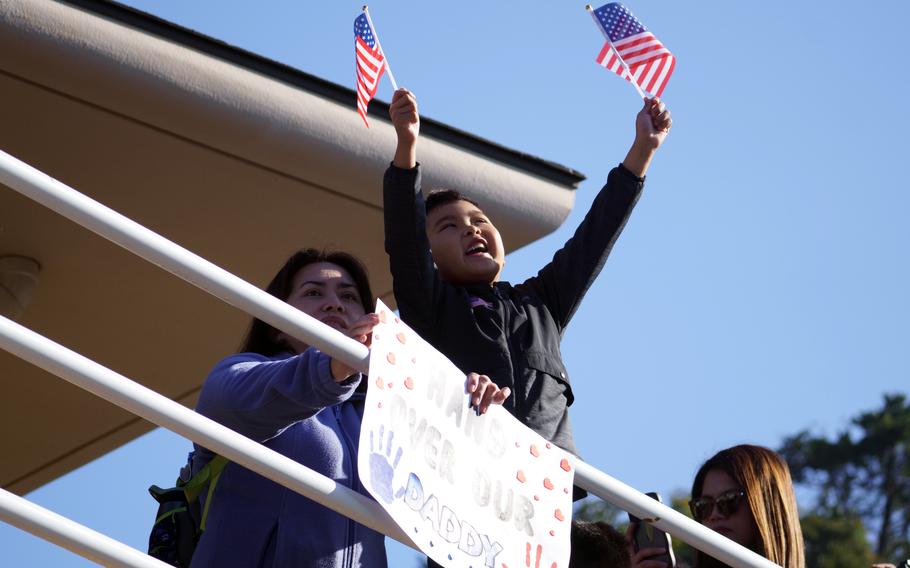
[(516, 342)]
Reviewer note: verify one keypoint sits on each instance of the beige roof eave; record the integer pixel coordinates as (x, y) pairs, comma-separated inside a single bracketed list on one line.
[(237, 158)]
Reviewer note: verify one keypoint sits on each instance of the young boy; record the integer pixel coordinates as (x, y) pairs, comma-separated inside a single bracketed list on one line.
[(510, 333)]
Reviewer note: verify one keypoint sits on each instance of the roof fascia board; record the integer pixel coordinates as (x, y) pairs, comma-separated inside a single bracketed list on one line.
[(154, 25)]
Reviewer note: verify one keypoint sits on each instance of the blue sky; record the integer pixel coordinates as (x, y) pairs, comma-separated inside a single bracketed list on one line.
[(761, 286)]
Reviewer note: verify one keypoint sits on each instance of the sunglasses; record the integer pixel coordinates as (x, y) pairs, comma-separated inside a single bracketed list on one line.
[(727, 503)]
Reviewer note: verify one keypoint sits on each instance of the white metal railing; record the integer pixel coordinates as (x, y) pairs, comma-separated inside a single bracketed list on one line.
[(77, 538), (158, 409), (235, 291), (191, 267)]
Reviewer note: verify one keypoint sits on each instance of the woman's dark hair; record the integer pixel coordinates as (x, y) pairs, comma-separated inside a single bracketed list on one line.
[(262, 338)]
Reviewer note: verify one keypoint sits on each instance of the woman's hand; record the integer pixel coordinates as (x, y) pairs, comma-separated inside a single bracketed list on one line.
[(406, 120), (640, 558), (362, 331), (484, 392)]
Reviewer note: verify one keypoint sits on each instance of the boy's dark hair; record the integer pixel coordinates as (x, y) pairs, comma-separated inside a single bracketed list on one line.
[(440, 197), (598, 545), (262, 338)]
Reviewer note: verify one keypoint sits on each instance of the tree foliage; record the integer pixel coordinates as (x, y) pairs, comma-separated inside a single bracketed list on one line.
[(595, 510), (861, 473), (684, 553), (835, 542)]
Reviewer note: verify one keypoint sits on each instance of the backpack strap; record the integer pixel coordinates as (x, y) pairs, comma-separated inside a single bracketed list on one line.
[(210, 474)]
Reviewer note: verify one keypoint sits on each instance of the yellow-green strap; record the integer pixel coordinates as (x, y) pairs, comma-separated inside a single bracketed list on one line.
[(216, 466), (212, 470), (210, 474), (170, 513)]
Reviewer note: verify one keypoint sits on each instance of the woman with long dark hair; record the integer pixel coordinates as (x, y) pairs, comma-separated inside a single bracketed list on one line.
[(302, 403)]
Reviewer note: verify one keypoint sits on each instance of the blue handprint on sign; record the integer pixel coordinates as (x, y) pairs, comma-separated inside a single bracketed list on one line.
[(381, 471)]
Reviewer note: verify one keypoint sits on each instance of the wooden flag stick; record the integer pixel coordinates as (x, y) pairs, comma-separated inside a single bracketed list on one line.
[(385, 60), (613, 47)]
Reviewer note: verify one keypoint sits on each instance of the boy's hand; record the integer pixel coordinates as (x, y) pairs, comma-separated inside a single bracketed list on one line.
[(652, 124), (406, 120), (362, 331), (485, 392)]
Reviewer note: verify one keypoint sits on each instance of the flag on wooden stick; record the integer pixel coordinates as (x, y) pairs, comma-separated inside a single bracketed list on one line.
[(631, 51)]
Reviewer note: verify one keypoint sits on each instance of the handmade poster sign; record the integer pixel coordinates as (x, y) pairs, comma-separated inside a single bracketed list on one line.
[(471, 491)]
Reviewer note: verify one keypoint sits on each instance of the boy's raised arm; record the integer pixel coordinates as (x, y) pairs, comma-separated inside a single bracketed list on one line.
[(414, 278), (563, 282), (406, 120)]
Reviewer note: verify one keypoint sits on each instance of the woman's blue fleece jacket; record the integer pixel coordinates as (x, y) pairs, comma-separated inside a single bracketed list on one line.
[(292, 405)]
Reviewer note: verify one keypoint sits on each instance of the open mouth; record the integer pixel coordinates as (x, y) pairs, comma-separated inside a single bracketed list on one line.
[(477, 248), (336, 322)]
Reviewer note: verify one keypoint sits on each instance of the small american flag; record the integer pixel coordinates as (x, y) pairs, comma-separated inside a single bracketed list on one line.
[(650, 63), (370, 64)]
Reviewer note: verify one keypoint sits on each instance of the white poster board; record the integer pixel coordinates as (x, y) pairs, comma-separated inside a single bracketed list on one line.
[(471, 491)]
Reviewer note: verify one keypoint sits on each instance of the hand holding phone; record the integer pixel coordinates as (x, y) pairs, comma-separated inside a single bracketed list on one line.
[(646, 535)]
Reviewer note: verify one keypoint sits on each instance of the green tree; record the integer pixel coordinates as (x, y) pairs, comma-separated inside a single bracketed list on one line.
[(593, 509), (685, 554), (835, 542), (863, 472)]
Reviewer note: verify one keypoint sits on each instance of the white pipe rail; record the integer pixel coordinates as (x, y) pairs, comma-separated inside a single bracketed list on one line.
[(235, 291), (158, 409), (177, 260), (667, 519), (71, 535)]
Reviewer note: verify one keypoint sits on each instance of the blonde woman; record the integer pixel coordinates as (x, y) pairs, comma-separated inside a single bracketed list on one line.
[(744, 493)]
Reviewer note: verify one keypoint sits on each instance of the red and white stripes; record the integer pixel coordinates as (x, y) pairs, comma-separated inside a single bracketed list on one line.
[(370, 66), (650, 63)]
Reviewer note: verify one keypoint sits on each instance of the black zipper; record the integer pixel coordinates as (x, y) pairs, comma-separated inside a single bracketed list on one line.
[(517, 393)]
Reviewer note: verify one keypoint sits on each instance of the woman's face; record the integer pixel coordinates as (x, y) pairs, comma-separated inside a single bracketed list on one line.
[(740, 525), (326, 292)]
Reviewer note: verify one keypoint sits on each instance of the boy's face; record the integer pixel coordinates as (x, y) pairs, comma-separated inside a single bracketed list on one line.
[(466, 246)]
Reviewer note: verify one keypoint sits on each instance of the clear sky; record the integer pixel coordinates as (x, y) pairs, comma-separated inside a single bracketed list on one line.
[(761, 286)]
